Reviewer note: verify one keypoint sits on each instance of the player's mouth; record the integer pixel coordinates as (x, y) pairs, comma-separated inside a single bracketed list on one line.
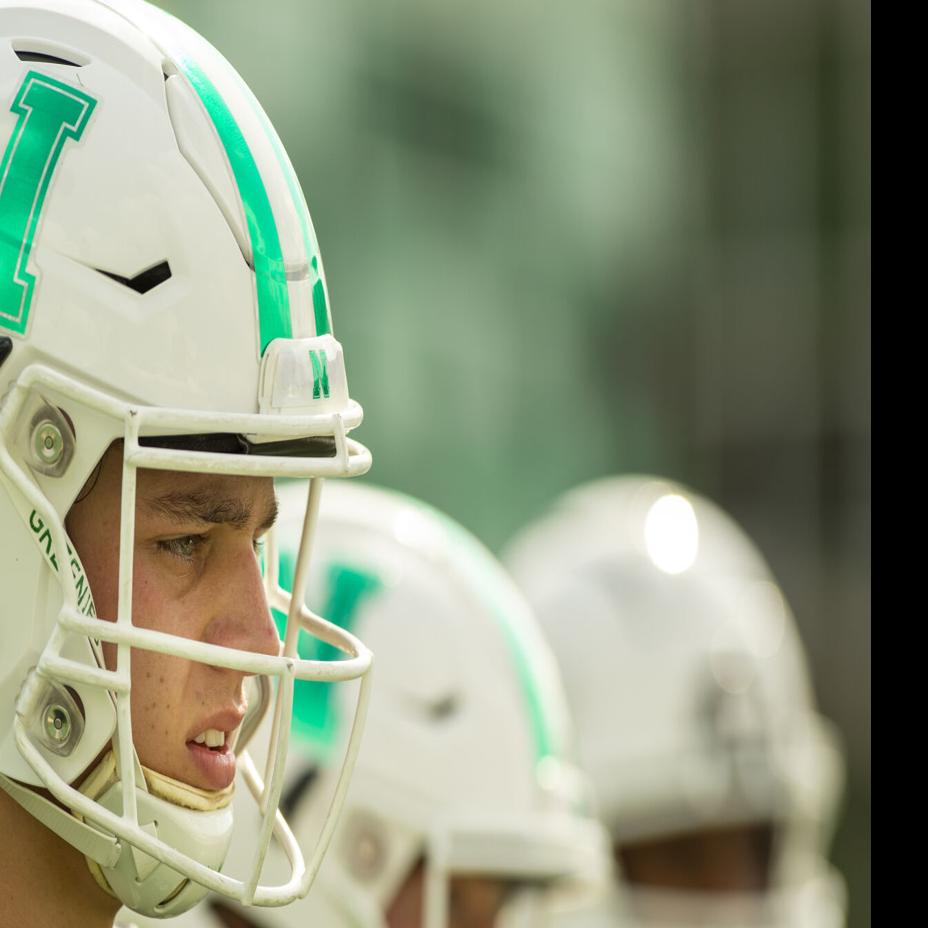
[(213, 753)]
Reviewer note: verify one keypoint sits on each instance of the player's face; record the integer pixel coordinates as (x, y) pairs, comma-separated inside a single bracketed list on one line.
[(195, 575), (733, 859), (473, 902)]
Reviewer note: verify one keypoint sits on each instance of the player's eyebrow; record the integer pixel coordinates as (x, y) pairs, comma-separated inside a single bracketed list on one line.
[(199, 506)]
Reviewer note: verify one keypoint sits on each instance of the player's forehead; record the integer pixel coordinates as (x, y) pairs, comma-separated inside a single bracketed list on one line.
[(180, 495)]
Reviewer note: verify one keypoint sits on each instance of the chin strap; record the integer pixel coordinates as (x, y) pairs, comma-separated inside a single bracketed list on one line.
[(176, 792), (187, 796), (102, 850), (93, 844)]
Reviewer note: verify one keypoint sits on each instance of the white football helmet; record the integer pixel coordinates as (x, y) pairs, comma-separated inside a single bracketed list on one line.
[(686, 678), (465, 763), (160, 284)]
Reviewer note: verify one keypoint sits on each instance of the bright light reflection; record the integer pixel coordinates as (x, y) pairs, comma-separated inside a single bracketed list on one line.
[(417, 530), (671, 534)]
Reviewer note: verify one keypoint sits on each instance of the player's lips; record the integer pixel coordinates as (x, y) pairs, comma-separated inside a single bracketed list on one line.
[(212, 748)]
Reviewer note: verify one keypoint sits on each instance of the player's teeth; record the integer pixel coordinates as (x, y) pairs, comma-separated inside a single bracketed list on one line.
[(214, 738)]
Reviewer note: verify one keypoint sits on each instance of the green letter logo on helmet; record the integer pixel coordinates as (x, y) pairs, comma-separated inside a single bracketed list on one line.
[(320, 374), (50, 113)]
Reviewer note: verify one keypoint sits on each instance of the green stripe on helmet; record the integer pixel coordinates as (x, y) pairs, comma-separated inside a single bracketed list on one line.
[(321, 314), (489, 580), (270, 275), (519, 650)]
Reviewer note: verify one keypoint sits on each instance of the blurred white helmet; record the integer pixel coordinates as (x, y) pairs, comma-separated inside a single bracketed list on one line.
[(160, 286), (465, 762), (692, 701)]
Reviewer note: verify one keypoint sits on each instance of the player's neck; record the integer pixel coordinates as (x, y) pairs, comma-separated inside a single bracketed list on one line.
[(44, 882)]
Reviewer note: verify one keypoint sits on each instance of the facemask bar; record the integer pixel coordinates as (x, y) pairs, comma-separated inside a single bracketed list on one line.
[(541, 849), (437, 881), (300, 582), (298, 616), (350, 458)]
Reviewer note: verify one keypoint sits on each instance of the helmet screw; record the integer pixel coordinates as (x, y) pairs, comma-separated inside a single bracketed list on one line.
[(48, 442), (57, 723), (367, 854)]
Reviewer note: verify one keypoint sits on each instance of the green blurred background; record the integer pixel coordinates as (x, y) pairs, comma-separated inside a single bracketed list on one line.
[(571, 240)]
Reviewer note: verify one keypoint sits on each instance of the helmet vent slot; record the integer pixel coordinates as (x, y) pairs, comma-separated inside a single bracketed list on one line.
[(145, 280), (45, 58)]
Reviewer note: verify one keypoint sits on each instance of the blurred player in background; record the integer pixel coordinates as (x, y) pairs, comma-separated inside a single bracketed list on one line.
[(464, 811), (714, 774)]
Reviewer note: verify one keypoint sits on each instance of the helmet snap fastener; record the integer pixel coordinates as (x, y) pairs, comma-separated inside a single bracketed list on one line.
[(50, 445), (57, 723), (48, 442)]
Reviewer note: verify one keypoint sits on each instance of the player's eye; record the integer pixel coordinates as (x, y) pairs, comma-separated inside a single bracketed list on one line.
[(184, 547)]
